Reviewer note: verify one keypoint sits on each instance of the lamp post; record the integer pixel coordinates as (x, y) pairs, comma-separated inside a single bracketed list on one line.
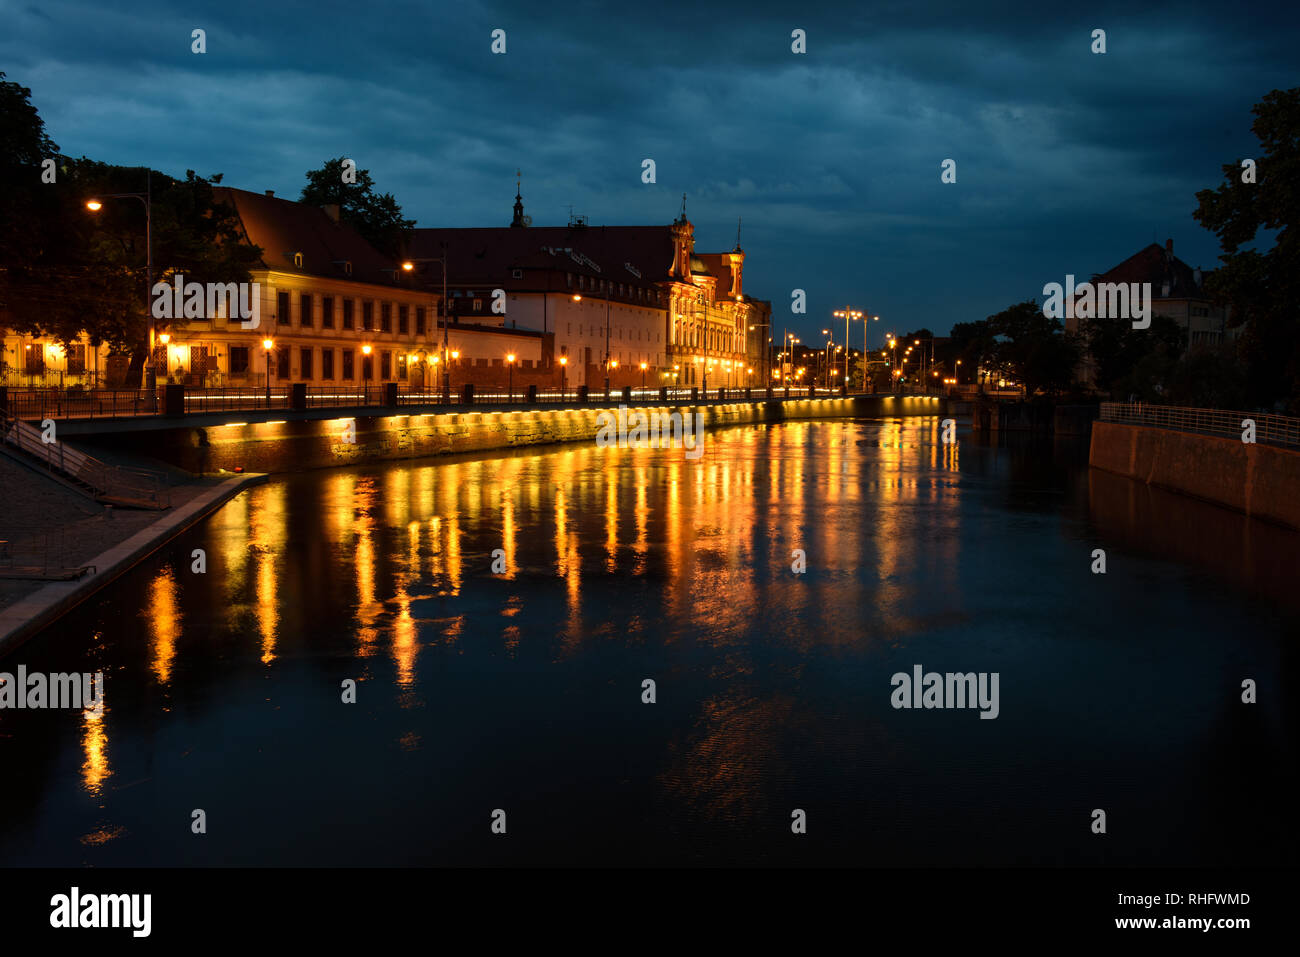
[(146, 198), (267, 346), (510, 367), (643, 367), (848, 313), (163, 338), (365, 372), (564, 368), (408, 266)]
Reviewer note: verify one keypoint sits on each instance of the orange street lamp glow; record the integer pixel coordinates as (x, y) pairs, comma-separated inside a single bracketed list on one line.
[(164, 338), (455, 354), (268, 344), (94, 205), (643, 367), (365, 350), (510, 357), (564, 360), (408, 266), (577, 298)]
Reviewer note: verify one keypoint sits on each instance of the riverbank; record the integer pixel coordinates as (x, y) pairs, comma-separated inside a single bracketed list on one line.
[(1260, 480), (68, 531)]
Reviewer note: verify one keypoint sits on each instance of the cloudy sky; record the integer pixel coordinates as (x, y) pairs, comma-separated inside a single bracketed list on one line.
[(1067, 161)]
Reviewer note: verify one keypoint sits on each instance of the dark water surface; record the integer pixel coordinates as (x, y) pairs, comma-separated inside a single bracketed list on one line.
[(523, 690)]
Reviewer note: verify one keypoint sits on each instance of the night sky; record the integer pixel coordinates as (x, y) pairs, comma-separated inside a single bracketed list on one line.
[(1067, 161)]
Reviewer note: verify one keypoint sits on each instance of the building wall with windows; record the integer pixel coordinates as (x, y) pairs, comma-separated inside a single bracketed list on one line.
[(612, 297)]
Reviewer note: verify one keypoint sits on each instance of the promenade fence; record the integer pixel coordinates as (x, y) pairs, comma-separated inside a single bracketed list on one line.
[(1270, 429), (61, 404)]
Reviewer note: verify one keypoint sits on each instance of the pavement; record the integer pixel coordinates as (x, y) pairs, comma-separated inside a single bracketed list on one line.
[(43, 519)]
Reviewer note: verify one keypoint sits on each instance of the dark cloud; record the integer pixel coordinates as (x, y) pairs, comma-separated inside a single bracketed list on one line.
[(1067, 161)]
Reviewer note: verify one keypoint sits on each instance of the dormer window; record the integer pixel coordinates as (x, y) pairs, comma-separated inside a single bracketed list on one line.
[(297, 260), (347, 268)]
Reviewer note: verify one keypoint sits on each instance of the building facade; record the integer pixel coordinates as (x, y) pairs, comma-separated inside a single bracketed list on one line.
[(635, 304)]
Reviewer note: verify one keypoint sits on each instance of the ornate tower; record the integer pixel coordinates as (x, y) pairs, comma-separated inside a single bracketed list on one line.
[(520, 219), (683, 234)]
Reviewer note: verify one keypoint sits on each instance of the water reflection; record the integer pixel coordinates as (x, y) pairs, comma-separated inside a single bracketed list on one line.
[(504, 612)]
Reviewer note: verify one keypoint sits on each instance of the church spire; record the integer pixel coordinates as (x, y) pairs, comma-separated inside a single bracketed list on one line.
[(520, 219)]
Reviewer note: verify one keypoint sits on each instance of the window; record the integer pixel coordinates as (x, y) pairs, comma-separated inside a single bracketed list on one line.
[(239, 360), (367, 315), (385, 317), (349, 322), (327, 312), (282, 363), (568, 280), (297, 260), (304, 363), (305, 317), (349, 360), (401, 365), (385, 365), (516, 274), (478, 305), (327, 364), (76, 359), (35, 359), (281, 308), (419, 320), (403, 320)]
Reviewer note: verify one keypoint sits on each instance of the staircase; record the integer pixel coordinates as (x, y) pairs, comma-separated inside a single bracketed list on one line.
[(113, 485)]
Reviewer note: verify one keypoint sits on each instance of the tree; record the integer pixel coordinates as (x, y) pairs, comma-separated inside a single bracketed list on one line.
[(1033, 349), (377, 217), (1117, 350), (87, 274), (1262, 286)]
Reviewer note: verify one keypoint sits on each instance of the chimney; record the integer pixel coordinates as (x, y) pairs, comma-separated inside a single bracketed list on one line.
[(332, 211), (271, 193)]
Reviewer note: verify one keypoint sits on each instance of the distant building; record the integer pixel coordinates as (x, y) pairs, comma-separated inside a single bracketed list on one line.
[(1177, 292), (602, 297)]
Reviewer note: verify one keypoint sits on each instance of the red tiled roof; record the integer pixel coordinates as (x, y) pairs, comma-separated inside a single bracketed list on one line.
[(476, 256), (1157, 265), (283, 227)]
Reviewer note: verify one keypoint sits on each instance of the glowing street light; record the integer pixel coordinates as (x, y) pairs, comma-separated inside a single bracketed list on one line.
[(146, 199), (510, 364), (267, 346)]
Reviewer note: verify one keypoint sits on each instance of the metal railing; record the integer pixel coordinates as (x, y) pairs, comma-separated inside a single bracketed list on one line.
[(1269, 429), (36, 404), (106, 483)]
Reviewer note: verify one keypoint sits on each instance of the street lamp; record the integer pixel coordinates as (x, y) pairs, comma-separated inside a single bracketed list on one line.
[(146, 198), (267, 346), (510, 365), (564, 368), (643, 367), (408, 266), (365, 372), (848, 313)]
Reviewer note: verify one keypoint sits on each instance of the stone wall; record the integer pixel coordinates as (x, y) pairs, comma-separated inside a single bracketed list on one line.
[(1261, 480)]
